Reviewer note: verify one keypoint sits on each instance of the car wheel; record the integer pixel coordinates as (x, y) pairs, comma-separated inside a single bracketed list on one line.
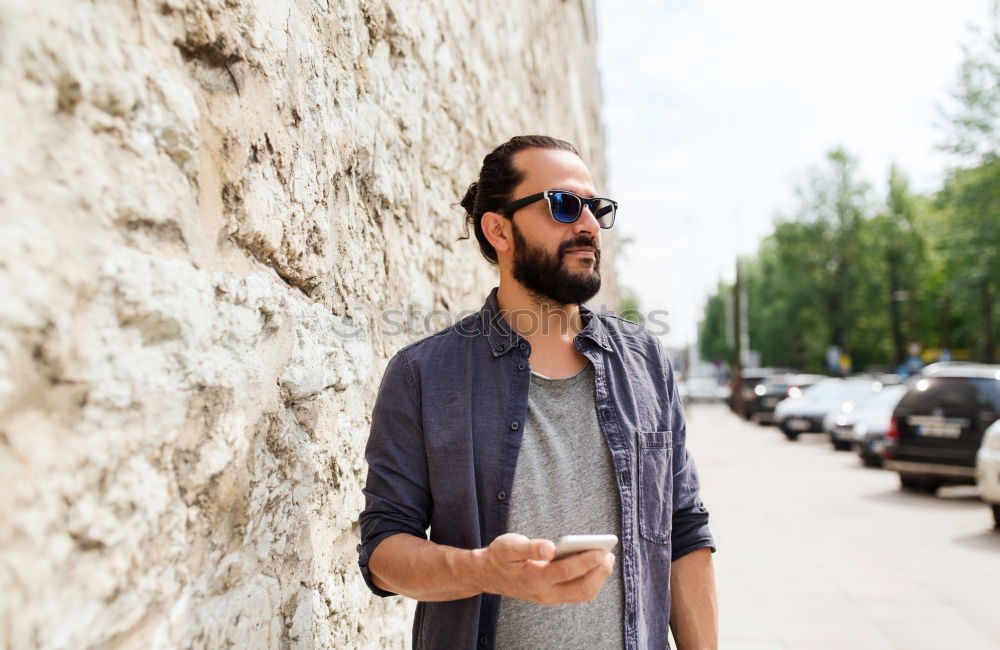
[(842, 445), (996, 516), (871, 461), (918, 484), (791, 435)]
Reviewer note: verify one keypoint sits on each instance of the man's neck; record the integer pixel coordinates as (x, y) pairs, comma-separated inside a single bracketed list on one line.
[(543, 323)]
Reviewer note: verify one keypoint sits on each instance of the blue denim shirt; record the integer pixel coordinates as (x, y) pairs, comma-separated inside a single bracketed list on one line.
[(445, 435)]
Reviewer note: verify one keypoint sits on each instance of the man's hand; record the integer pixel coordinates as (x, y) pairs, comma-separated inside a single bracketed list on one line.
[(512, 566), (522, 568)]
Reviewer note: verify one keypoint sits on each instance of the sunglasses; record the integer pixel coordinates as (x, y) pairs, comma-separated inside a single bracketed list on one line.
[(566, 207)]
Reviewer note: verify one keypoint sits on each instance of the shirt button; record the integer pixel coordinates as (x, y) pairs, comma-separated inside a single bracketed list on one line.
[(513, 426), (499, 348), (520, 366), (523, 346), (501, 496), (482, 640), (605, 413)]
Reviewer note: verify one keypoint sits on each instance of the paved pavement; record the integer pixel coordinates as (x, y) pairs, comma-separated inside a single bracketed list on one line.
[(816, 551)]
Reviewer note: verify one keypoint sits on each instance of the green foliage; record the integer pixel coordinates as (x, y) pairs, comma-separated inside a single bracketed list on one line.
[(714, 330), (969, 251), (871, 279), (804, 288), (786, 301)]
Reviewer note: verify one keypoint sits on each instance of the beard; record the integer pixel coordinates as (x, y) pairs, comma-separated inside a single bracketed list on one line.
[(545, 275)]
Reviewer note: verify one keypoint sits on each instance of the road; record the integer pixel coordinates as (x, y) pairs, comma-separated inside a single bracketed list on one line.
[(816, 551)]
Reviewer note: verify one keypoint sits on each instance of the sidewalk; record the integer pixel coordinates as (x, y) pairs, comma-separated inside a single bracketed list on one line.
[(816, 552)]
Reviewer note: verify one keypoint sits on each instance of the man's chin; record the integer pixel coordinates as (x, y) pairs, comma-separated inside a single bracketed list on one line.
[(584, 294), (583, 271)]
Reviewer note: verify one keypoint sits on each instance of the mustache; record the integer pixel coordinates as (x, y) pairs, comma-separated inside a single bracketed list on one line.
[(576, 242)]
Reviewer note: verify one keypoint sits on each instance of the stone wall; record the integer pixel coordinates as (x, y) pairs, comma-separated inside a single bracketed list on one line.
[(205, 207)]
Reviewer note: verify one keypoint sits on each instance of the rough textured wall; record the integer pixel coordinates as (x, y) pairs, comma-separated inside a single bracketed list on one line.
[(204, 205)]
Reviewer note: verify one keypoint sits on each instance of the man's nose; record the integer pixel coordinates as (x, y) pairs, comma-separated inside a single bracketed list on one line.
[(587, 223)]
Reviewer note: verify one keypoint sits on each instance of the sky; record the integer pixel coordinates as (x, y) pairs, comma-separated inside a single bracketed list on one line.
[(714, 109)]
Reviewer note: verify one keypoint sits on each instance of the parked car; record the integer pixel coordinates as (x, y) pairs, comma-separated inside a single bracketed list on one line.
[(988, 470), (937, 427), (839, 422), (870, 424), (703, 389), (795, 416), (751, 378), (773, 390)]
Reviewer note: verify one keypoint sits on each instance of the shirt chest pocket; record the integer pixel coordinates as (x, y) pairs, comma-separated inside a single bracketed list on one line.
[(656, 485)]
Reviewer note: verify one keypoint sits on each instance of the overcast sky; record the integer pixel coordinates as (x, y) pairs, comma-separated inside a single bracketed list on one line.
[(714, 108)]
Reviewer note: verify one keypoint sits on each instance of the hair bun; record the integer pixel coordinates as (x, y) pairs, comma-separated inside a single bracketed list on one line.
[(469, 201)]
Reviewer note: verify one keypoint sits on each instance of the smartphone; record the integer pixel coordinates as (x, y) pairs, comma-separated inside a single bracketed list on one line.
[(571, 544)]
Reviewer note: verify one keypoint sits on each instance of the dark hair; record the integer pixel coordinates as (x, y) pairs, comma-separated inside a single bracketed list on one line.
[(497, 180)]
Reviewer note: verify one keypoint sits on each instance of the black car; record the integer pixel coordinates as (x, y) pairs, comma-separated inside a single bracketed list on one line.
[(937, 427), (751, 379), (776, 388)]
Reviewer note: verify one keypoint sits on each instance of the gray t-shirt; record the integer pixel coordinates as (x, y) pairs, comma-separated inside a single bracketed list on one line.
[(564, 485)]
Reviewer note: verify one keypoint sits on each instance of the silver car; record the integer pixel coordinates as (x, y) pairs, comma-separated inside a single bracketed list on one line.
[(805, 413), (869, 410), (872, 423)]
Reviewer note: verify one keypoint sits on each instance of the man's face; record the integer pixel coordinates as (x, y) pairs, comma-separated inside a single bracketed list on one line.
[(557, 261)]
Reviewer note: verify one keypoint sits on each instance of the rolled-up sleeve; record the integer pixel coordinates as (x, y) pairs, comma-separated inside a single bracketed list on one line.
[(690, 530), (397, 499), (690, 526)]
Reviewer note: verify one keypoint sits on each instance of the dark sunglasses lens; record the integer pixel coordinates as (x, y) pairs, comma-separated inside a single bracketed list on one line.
[(604, 212), (565, 207)]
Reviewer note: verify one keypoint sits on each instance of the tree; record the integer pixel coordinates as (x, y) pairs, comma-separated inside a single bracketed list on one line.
[(801, 291), (970, 219), (894, 246), (713, 338)]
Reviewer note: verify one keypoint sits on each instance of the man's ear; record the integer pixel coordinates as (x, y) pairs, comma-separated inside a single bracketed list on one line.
[(498, 230)]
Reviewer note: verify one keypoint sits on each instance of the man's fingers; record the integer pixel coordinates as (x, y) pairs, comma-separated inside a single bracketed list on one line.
[(585, 587), (574, 566), (545, 550), (516, 548), (510, 546), (574, 579)]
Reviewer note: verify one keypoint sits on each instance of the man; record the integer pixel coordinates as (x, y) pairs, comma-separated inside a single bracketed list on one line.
[(533, 419)]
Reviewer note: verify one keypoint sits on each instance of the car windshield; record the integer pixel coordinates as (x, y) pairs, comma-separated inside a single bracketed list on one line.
[(844, 389), (957, 392)]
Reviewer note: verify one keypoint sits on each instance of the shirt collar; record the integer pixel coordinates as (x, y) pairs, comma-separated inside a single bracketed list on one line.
[(502, 339)]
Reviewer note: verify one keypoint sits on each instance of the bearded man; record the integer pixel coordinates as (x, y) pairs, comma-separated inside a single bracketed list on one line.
[(536, 418)]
